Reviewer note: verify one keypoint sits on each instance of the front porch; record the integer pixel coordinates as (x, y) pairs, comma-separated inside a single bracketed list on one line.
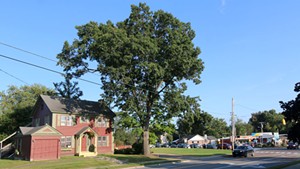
[(86, 142)]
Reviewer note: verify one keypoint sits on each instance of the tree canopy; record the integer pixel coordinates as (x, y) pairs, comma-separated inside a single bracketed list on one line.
[(271, 121), (68, 89), (144, 62), (291, 112), (16, 105)]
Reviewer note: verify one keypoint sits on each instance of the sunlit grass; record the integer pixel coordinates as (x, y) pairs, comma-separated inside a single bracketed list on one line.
[(191, 151)]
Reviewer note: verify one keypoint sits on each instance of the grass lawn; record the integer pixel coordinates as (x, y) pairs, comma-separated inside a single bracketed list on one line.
[(192, 151), (71, 162)]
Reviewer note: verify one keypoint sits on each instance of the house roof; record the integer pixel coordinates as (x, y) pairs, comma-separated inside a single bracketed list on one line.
[(84, 129), (40, 130), (211, 138), (63, 105), (196, 137)]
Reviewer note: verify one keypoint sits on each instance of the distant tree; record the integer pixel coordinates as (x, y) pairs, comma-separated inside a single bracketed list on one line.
[(291, 112), (218, 128), (196, 121), (68, 89), (271, 121), (17, 106), (243, 128), (144, 62)]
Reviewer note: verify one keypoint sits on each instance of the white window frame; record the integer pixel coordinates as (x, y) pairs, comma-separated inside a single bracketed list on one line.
[(102, 141), (66, 120), (66, 142)]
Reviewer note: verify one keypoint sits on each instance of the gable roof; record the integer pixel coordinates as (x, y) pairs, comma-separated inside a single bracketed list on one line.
[(64, 105), (196, 137), (40, 130), (84, 129)]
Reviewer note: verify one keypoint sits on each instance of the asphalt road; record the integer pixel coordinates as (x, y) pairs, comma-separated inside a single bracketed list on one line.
[(263, 158)]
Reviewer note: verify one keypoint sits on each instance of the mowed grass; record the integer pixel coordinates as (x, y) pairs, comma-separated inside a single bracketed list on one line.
[(71, 162), (65, 162), (191, 151)]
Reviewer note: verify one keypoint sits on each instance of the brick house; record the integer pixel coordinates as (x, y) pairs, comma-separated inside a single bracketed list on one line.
[(63, 126)]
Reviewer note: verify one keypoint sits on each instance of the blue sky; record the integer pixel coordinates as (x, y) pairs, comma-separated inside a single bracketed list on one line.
[(250, 48)]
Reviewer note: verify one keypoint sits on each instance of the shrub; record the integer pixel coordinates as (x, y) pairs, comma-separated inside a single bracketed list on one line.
[(124, 151), (138, 148), (92, 148)]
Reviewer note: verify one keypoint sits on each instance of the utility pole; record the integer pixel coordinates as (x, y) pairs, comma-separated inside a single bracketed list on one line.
[(261, 130), (232, 125)]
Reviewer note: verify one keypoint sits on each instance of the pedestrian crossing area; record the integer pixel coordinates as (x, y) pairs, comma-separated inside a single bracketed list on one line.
[(279, 152)]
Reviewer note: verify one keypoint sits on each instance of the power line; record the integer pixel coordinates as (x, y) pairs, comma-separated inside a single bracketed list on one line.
[(245, 107), (26, 51), (32, 53), (47, 69), (13, 76)]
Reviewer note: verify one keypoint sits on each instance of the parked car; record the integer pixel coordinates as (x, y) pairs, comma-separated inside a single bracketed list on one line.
[(166, 145), (245, 151), (292, 145), (224, 146), (195, 145), (157, 145), (211, 146), (151, 145), (183, 145), (173, 145)]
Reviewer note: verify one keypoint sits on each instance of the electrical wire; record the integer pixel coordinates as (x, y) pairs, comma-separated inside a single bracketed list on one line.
[(13, 76), (32, 53), (47, 69), (26, 51)]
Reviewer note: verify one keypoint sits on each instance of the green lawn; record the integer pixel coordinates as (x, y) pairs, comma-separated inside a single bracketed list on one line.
[(192, 151), (71, 162)]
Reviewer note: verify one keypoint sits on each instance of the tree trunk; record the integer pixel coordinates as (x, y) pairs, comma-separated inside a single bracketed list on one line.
[(146, 142)]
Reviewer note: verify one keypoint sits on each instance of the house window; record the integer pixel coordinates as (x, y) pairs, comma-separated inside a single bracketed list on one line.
[(103, 141), (65, 120), (84, 119), (66, 142), (102, 122)]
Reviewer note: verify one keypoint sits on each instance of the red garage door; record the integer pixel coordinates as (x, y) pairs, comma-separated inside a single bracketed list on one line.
[(45, 149)]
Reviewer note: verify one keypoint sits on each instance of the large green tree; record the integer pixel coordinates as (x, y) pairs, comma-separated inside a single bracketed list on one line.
[(291, 112), (267, 121), (144, 62), (17, 104)]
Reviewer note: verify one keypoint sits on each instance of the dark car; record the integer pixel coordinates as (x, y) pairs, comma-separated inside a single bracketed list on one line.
[(173, 146), (211, 146), (292, 145), (195, 145), (224, 146), (166, 145), (183, 145), (245, 151)]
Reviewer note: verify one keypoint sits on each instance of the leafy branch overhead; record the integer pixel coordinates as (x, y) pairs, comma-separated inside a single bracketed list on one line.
[(142, 62)]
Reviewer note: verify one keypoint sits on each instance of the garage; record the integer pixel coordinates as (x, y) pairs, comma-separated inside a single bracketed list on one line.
[(38, 143), (45, 149)]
